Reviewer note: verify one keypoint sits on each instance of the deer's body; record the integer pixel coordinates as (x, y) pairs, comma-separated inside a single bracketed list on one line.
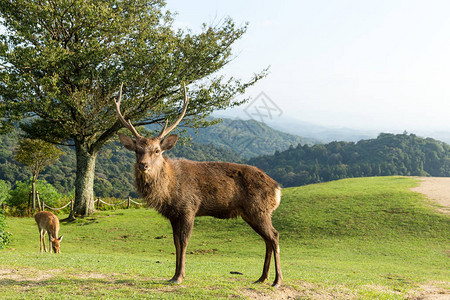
[(182, 190), (218, 189), (48, 223)]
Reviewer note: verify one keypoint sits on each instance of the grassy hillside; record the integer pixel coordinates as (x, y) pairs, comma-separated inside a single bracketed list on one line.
[(367, 238)]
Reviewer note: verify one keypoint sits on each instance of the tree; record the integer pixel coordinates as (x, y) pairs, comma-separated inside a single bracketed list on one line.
[(62, 62), (36, 155)]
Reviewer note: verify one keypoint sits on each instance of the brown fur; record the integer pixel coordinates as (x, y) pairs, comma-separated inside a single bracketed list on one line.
[(48, 223), (182, 190)]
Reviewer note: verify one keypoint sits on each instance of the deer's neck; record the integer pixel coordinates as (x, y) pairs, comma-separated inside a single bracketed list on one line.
[(156, 186)]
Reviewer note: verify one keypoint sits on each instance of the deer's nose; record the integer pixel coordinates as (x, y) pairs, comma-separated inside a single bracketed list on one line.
[(143, 166)]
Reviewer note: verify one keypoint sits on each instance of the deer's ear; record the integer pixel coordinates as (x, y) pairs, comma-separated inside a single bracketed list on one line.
[(127, 142), (169, 142), (60, 238)]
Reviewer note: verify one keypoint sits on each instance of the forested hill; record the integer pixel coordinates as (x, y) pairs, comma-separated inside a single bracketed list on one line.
[(249, 138), (389, 154)]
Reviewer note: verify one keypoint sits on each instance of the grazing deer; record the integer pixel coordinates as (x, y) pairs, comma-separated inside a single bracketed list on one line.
[(48, 223), (181, 190)]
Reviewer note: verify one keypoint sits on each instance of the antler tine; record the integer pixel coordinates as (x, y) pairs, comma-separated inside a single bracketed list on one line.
[(166, 130), (121, 118)]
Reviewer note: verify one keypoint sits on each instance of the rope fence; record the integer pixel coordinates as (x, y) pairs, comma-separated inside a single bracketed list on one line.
[(52, 208), (129, 201), (98, 203)]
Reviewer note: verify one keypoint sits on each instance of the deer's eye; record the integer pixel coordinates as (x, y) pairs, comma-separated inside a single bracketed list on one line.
[(158, 151)]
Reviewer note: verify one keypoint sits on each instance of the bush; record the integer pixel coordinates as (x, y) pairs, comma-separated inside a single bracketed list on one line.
[(5, 237), (18, 198), (4, 191)]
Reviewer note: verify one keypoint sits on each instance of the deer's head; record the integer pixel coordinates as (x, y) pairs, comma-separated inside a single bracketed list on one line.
[(56, 244), (149, 150)]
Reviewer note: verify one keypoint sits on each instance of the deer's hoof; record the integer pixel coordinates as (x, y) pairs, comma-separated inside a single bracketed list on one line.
[(175, 281), (260, 280), (276, 284)]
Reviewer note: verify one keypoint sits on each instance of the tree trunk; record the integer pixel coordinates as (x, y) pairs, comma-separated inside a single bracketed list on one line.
[(84, 181), (33, 194)]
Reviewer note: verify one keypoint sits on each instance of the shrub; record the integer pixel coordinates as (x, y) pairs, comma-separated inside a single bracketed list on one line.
[(18, 198), (4, 191), (5, 237)]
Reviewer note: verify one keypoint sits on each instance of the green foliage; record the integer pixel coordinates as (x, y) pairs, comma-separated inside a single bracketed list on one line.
[(4, 191), (11, 170), (20, 195), (36, 154), (5, 237), (386, 155)]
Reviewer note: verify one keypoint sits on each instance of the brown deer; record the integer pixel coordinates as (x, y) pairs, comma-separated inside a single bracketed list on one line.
[(48, 223), (181, 190)]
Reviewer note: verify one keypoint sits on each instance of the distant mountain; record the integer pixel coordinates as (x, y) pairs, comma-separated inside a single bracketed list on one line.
[(249, 138), (311, 131), (321, 133)]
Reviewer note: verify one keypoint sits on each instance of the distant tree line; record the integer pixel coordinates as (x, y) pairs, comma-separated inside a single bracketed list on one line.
[(388, 154)]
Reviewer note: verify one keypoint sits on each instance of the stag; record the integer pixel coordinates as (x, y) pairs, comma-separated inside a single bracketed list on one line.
[(181, 190)]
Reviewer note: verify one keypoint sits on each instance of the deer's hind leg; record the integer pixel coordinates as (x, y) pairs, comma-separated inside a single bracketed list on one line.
[(42, 240), (263, 226)]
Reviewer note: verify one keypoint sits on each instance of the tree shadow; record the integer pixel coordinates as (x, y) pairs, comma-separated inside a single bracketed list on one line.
[(88, 286)]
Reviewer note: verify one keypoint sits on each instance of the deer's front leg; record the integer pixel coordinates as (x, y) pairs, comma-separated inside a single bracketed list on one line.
[(182, 229), (50, 243)]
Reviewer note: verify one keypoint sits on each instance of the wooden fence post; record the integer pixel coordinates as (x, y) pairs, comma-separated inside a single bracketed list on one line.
[(39, 201), (43, 206), (98, 203), (129, 200), (71, 205), (30, 208)]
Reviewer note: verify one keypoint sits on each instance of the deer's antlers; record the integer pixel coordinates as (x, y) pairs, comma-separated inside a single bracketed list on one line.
[(122, 119), (164, 130)]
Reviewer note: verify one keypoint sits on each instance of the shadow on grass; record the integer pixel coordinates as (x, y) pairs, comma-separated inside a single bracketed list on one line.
[(88, 287)]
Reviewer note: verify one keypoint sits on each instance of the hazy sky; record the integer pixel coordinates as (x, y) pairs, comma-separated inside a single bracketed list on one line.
[(381, 65)]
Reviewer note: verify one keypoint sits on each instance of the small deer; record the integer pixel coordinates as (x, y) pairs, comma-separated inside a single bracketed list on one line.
[(48, 223), (181, 190)]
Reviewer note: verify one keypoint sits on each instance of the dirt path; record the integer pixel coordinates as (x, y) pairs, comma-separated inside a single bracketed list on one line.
[(436, 189)]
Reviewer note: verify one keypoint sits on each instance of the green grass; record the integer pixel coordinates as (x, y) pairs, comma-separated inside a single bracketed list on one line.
[(367, 238)]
